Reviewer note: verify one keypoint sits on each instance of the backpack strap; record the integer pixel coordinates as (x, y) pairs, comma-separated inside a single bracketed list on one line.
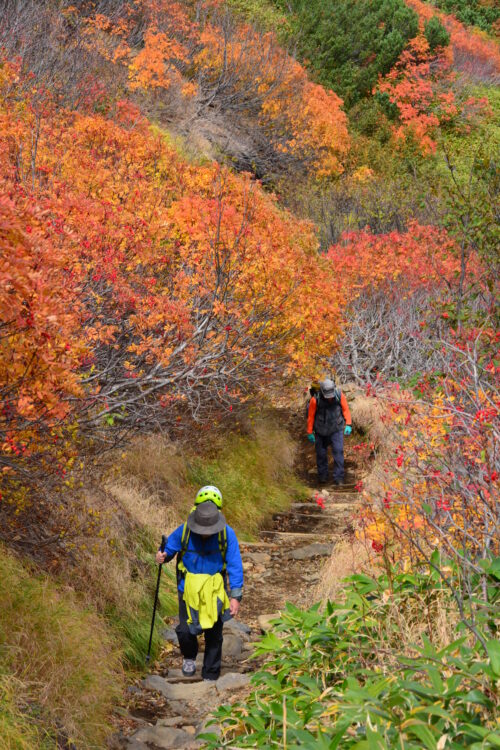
[(186, 533), (181, 568), (222, 536)]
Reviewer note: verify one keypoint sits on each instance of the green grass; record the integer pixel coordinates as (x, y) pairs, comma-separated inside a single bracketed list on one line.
[(254, 474)]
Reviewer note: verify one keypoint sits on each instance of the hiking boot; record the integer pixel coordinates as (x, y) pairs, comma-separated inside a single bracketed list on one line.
[(339, 482), (188, 667)]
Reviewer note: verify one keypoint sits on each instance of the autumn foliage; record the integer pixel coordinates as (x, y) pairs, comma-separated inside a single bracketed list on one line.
[(421, 257), (301, 119), (440, 487), (214, 61), (474, 52), (135, 286)]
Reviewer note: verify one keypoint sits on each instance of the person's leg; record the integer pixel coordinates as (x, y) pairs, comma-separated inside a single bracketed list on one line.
[(213, 652), (322, 458), (188, 643), (337, 441)]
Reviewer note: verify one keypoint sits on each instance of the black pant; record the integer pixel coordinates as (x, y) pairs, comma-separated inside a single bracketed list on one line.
[(188, 643), (336, 440)]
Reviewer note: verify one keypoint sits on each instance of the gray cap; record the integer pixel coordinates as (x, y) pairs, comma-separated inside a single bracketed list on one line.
[(328, 388), (206, 519)]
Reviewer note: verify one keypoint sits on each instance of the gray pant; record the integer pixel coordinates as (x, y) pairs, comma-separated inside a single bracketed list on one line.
[(336, 440)]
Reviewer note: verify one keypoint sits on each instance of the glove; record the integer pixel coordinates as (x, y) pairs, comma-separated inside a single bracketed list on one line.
[(348, 429), (311, 437)]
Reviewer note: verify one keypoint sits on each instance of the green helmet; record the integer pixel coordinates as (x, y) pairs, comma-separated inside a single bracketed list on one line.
[(209, 492)]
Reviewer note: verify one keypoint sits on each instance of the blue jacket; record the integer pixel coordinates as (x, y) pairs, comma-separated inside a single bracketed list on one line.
[(203, 556)]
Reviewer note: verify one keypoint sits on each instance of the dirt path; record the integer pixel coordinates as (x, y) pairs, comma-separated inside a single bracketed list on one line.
[(166, 710)]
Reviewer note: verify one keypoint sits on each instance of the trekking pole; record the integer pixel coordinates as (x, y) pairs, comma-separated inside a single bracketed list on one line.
[(162, 549)]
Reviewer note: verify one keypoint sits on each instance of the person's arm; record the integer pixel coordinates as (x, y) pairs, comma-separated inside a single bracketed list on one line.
[(172, 547), (345, 410), (311, 413), (234, 565)]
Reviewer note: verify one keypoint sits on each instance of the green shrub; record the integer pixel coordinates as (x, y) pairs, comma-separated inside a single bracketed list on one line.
[(387, 667), (347, 43), (435, 33), (472, 12)]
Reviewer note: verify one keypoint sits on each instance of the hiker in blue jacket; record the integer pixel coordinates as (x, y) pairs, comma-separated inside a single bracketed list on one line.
[(208, 567)]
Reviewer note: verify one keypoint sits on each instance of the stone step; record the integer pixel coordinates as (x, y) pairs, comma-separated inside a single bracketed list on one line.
[(315, 516), (297, 535)]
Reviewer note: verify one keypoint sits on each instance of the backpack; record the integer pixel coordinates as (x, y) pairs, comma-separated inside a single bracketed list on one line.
[(329, 416), (314, 392), (186, 533)]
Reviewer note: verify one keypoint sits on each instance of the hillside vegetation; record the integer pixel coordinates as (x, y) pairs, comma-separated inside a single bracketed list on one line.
[(203, 205)]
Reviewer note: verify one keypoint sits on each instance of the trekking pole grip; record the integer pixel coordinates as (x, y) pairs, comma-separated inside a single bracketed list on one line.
[(163, 543)]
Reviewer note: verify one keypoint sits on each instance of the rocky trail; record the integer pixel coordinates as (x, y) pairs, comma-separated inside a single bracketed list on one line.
[(166, 710)]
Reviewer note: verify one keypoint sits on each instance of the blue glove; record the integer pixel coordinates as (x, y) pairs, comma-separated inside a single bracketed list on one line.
[(311, 437), (348, 429)]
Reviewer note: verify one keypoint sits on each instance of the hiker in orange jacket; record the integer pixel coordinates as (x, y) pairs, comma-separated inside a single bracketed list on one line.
[(328, 420)]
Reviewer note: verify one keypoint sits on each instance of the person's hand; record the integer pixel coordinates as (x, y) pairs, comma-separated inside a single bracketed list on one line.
[(234, 606), (160, 557), (348, 429), (311, 437)]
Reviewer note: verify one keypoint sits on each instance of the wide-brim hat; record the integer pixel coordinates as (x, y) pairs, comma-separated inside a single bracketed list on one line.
[(206, 519), (328, 388)]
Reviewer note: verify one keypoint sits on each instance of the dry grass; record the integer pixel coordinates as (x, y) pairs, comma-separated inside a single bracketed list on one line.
[(17, 729), (407, 619), (147, 495), (404, 619), (157, 483), (145, 508), (61, 655), (348, 558)]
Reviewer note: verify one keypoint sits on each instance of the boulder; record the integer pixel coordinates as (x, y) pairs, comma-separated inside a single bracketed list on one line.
[(133, 744), (170, 721), (238, 626), (250, 646), (163, 737), (262, 558), (204, 727), (312, 550), (232, 645), (179, 691), (265, 621), (169, 634), (232, 681)]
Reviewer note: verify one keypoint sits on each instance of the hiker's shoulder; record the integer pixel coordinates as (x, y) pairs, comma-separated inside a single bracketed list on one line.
[(231, 533), (177, 532)]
